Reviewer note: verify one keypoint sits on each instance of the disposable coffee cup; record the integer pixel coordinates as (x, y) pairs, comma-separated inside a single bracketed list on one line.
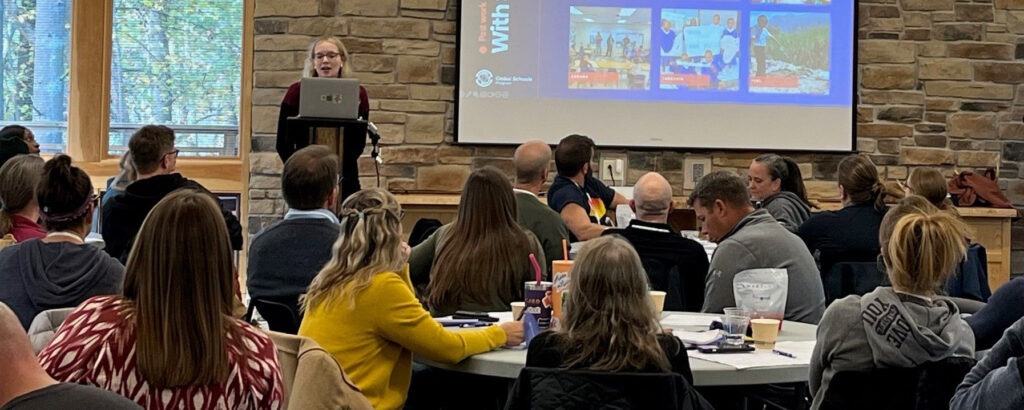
[(765, 332), (658, 299), (538, 302), (517, 310)]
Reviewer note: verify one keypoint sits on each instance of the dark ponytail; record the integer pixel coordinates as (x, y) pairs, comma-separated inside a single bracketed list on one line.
[(64, 194), (788, 171)]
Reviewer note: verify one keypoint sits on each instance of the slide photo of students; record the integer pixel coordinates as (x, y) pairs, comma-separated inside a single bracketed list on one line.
[(609, 48), (704, 51), (789, 52)]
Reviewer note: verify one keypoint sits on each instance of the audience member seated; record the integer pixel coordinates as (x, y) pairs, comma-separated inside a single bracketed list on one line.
[(480, 261), (286, 256), (777, 185), (849, 234), (155, 157), (751, 239), (16, 140), (27, 387), (582, 200), (904, 325), (930, 184), (19, 209), (361, 307), (610, 323), (1002, 310), (170, 342), (995, 382), (531, 162), (60, 270), (117, 184), (674, 264)]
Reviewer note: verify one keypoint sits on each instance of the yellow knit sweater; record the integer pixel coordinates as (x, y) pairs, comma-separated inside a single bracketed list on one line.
[(375, 340)]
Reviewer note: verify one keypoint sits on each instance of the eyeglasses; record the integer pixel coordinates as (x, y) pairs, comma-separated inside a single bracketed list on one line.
[(174, 153), (329, 56)]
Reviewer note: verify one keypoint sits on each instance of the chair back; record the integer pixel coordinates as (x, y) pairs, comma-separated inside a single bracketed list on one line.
[(540, 388), (852, 278), (280, 315), (313, 379), (45, 325), (971, 278), (925, 387)]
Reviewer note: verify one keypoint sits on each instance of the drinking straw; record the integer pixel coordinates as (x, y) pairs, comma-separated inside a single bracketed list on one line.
[(536, 267), (565, 250)]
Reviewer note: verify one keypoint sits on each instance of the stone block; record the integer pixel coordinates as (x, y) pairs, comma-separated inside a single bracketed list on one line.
[(413, 106), (454, 155), (885, 77), (401, 184), (448, 74), (885, 159), (912, 19), (941, 104), (411, 47), (264, 119), (865, 114), (270, 26), (387, 117), (926, 5), (929, 128), (892, 97), (432, 92), (969, 90), (373, 78), (1009, 4), (290, 8), (917, 34), (445, 178), (271, 182), (887, 11), (884, 130), (279, 60), (389, 28), (1013, 151), (982, 51), (387, 91), (884, 24), (1011, 131), (410, 154), (930, 140), (931, 49), (944, 69), (444, 27), (971, 125), (425, 5), (265, 163), (448, 55), (372, 63), (958, 31), (1015, 22), (999, 72), (413, 69), (901, 114), (977, 159), (268, 96), (262, 207), (985, 106), (502, 164), (821, 190), (939, 117), (425, 129), (885, 51), (866, 145), (926, 156), (375, 8), (361, 45), (973, 12), (319, 26)]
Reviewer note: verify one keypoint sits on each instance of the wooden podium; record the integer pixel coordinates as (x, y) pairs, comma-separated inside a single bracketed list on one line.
[(351, 139)]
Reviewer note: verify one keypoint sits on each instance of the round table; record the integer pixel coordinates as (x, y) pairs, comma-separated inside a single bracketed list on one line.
[(507, 363)]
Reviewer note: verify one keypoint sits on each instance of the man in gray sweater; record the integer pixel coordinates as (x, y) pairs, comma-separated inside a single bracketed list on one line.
[(752, 239)]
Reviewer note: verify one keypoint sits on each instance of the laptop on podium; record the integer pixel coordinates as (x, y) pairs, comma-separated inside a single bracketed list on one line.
[(336, 98)]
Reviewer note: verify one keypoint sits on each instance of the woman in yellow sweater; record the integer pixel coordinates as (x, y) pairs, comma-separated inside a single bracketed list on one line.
[(361, 307)]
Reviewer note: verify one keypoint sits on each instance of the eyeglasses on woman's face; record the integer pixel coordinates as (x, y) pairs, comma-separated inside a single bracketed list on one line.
[(327, 55)]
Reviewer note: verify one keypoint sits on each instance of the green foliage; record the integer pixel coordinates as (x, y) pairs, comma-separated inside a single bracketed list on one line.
[(806, 48)]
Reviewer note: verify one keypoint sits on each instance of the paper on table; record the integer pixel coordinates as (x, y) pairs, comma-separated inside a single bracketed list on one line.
[(697, 338), (802, 351), (449, 321), (682, 319)]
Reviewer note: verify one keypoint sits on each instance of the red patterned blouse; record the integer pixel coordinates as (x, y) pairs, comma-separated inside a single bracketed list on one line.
[(96, 346)]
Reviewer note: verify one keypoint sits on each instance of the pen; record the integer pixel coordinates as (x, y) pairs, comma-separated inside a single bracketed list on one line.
[(781, 353)]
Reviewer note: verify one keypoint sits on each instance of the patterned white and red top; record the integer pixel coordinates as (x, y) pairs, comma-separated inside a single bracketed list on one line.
[(96, 346)]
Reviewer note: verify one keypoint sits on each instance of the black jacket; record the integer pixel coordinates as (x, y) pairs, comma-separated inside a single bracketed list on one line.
[(675, 265), (123, 214), (540, 389)]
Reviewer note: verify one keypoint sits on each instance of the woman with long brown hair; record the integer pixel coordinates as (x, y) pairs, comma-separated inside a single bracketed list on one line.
[(480, 261), (849, 234), (610, 323), (171, 342), (361, 307), (19, 210)]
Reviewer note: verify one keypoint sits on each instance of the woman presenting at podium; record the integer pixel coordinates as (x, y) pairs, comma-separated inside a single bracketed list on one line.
[(327, 58)]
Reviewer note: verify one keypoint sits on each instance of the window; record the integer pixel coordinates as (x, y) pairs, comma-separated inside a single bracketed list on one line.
[(177, 63), (34, 42)]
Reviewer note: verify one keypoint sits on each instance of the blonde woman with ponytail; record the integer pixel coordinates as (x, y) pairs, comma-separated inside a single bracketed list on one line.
[(361, 307), (849, 234), (909, 323)]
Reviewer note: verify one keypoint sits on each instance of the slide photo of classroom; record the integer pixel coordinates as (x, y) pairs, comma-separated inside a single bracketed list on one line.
[(609, 48), (699, 49), (789, 52)]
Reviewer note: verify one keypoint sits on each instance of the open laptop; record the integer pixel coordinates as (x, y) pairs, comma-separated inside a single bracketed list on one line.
[(336, 98)]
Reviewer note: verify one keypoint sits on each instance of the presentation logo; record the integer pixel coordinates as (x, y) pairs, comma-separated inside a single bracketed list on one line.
[(484, 78), (331, 98), (494, 28)]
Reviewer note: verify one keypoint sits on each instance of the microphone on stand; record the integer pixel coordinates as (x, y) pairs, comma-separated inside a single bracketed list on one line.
[(371, 130)]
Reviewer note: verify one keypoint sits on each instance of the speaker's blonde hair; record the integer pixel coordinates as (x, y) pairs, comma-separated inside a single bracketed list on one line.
[(370, 243)]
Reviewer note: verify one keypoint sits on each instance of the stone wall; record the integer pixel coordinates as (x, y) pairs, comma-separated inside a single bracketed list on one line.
[(940, 85)]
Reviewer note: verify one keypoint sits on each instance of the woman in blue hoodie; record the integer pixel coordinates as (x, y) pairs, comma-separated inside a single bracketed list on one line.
[(60, 270)]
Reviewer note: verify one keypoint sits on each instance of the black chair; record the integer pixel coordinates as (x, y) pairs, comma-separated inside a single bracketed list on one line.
[(852, 278), (928, 386), (541, 388), (280, 316), (971, 278)]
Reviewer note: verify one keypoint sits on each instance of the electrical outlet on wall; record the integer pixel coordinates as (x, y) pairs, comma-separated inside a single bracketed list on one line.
[(613, 169)]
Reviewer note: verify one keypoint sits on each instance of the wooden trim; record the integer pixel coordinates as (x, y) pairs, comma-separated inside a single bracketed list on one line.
[(245, 123), (217, 175), (89, 82)]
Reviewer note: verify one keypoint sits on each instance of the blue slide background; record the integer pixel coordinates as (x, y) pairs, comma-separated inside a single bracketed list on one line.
[(554, 54)]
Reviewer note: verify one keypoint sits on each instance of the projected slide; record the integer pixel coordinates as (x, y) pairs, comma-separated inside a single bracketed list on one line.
[(755, 74)]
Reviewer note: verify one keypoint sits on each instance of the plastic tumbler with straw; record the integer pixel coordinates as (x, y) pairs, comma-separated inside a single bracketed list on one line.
[(537, 295)]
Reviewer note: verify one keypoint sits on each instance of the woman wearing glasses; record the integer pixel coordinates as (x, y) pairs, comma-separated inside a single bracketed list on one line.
[(59, 270), (327, 58)]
